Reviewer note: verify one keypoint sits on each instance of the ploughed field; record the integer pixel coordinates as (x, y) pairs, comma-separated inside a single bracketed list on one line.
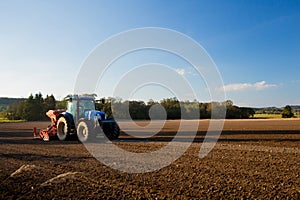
[(252, 159)]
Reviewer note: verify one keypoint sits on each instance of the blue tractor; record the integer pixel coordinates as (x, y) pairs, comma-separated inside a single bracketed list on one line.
[(82, 119)]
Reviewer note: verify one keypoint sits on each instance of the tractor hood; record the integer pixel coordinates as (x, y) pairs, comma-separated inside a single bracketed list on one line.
[(94, 115)]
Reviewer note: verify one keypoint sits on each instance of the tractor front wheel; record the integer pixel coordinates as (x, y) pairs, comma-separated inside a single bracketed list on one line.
[(63, 128), (84, 131)]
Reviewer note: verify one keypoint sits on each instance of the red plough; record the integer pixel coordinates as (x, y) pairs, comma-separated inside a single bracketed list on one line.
[(52, 128)]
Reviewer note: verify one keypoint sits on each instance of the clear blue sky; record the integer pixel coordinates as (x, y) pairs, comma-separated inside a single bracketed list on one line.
[(255, 44)]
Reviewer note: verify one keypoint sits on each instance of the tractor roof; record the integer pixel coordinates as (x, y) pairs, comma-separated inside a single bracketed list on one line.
[(78, 97)]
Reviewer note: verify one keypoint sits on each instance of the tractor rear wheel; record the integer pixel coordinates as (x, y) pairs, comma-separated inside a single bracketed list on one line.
[(111, 130), (84, 131), (63, 128), (116, 132)]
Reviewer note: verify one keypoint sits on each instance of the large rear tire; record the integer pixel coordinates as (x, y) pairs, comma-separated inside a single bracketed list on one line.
[(63, 128), (111, 130)]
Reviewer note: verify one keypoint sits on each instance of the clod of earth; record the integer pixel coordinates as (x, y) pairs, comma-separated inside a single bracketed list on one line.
[(61, 178), (24, 168)]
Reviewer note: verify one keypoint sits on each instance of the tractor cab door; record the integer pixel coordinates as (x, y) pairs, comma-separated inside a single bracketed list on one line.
[(71, 107)]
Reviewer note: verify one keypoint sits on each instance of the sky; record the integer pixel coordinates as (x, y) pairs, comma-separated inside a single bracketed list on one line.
[(254, 45)]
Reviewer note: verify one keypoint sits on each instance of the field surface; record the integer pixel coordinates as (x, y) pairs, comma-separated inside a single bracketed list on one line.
[(257, 159)]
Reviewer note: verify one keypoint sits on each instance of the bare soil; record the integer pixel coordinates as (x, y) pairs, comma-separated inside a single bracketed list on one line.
[(257, 159)]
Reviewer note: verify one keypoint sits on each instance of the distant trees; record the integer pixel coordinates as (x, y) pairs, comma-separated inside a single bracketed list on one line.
[(31, 109), (138, 110), (287, 112), (49, 103), (268, 110), (35, 106), (247, 112), (15, 111), (174, 109), (235, 112)]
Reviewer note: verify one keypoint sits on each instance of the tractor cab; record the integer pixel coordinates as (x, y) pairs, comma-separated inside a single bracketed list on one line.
[(79, 107)]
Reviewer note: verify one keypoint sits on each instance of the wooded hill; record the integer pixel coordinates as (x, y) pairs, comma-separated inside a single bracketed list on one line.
[(5, 102)]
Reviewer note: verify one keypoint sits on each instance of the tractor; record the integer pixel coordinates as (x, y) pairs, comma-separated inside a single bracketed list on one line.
[(80, 118)]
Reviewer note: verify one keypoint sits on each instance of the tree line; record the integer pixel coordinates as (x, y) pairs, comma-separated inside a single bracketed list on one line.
[(35, 106), (172, 108)]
